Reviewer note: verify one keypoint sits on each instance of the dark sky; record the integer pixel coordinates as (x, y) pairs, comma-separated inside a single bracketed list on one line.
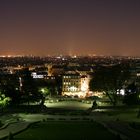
[(42, 27)]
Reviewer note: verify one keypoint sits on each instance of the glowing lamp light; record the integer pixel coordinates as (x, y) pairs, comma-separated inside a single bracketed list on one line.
[(121, 92), (42, 90)]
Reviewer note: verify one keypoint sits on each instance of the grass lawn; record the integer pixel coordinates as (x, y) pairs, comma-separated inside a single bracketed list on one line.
[(65, 131)]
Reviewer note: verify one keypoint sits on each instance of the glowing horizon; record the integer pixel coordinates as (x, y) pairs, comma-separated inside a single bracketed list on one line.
[(75, 27)]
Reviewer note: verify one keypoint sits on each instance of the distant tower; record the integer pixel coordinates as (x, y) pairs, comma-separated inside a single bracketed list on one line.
[(49, 70)]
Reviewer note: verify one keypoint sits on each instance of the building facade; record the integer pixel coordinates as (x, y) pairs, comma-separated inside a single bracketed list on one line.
[(75, 84)]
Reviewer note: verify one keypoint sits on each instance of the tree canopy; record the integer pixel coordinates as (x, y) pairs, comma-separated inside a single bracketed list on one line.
[(109, 80)]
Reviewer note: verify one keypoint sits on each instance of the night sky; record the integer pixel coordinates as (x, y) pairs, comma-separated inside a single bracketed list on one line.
[(52, 27)]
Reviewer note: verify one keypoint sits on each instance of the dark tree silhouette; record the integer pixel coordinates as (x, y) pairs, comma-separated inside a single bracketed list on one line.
[(9, 86), (131, 95), (29, 88), (109, 79)]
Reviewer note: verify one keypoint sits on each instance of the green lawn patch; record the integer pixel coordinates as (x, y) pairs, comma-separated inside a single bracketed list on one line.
[(65, 131)]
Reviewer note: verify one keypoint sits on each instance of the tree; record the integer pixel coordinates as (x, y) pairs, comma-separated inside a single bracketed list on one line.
[(109, 80), (4, 101), (131, 95), (29, 89), (9, 86), (44, 92), (58, 85)]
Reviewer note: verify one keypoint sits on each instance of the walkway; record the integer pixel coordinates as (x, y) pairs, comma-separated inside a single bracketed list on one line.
[(123, 129), (13, 128)]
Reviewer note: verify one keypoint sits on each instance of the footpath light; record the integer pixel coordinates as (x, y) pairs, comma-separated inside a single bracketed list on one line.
[(4, 100), (121, 92), (42, 90), (45, 91)]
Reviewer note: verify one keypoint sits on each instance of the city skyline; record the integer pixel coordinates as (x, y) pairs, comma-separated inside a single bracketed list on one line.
[(70, 27)]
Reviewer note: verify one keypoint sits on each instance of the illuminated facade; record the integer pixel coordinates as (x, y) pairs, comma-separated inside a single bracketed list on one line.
[(75, 85), (37, 76), (71, 83), (49, 70), (85, 79)]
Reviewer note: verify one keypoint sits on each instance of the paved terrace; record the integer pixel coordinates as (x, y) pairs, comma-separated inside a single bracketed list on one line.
[(19, 122), (116, 127)]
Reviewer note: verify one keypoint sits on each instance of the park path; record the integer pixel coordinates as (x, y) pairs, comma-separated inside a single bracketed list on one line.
[(118, 127), (31, 118), (13, 128), (123, 129)]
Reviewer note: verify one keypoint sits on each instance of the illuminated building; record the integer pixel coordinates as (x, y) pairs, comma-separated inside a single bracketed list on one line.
[(71, 83), (37, 76), (85, 79), (55, 70), (75, 84), (49, 70)]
